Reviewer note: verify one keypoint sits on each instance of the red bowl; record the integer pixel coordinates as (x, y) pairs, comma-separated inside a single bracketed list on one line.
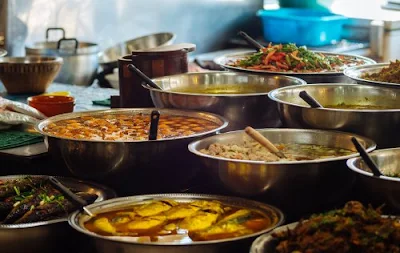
[(52, 105)]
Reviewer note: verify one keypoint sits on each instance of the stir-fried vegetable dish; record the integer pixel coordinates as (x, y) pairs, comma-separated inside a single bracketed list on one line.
[(33, 199), (252, 150), (352, 229), (290, 58), (171, 221), (390, 74)]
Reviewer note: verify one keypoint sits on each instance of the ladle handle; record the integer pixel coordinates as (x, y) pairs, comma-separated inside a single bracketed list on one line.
[(367, 159), (67, 192), (251, 41), (263, 141), (143, 76), (155, 117), (309, 99)]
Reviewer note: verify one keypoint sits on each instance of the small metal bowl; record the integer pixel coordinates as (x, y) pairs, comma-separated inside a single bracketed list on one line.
[(375, 124), (356, 74), (266, 243), (114, 244), (47, 236), (383, 189), (291, 185), (130, 167), (241, 110)]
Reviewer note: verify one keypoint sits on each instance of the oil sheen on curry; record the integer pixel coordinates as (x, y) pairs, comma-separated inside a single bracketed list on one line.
[(124, 127), (171, 221)]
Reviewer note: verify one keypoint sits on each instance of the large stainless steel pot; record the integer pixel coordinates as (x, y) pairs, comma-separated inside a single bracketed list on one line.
[(48, 236), (299, 186), (383, 189), (241, 110), (106, 244), (80, 59), (130, 167), (375, 124)]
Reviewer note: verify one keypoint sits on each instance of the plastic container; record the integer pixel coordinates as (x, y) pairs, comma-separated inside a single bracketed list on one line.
[(52, 105), (301, 26)]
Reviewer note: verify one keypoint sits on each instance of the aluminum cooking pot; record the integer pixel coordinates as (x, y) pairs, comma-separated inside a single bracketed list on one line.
[(80, 58)]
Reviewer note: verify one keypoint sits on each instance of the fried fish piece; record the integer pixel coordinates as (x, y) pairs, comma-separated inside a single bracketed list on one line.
[(181, 211), (146, 223), (10, 187), (154, 208), (104, 225), (199, 221), (210, 206)]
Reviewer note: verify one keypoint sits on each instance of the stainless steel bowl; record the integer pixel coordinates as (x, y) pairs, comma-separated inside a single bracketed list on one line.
[(130, 167), (356, 74), (241, 110), (109, 57), (292, 185), (320, 77), (266, 243), (48, 236), (385, 189), (375, 124), (111, 245)]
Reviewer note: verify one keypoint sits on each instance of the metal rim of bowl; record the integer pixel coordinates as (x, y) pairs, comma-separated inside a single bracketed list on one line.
[(272, 96), (109, 191), (40, 125), (31, 60), (353, 73), (227, 73), (281, 218), (192, 148), (351, 165), (220, 61)]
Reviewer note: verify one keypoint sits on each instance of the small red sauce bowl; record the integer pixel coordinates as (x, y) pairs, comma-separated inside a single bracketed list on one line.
[(52, 105)]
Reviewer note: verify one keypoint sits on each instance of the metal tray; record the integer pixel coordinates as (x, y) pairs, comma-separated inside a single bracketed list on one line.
[(355, 73), (266, 243)]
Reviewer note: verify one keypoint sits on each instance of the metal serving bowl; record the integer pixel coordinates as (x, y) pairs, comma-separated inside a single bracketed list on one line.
[(115, 244), (241, 110), (356, 74), (109, 57), (385, 189), (291, 185), (130, 167), (320, 77), (375, 124), (48, 236), (266, 243)]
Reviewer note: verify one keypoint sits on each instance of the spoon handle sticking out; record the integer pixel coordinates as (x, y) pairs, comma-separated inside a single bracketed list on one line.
[(154, 118), (250, 40), (309, 99), (143, 76), (263, 141), (365, 156)]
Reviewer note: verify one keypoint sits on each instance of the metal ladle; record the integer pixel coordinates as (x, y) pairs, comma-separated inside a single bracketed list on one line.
[(143, 76), (309, 99), (264, 141), (367, 159), (252, 42)]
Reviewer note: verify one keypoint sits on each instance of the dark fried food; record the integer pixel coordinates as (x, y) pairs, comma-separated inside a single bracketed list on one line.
[(353, 229), (390, 74)]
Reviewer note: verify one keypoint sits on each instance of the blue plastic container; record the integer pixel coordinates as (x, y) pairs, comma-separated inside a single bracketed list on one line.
[(301, 26)]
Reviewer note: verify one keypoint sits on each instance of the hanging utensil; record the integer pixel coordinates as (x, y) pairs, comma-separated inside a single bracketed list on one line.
[(154, 118), (81, 203), (365, 156), (143, 76), (252, 42), (263, 141), (310, 100)]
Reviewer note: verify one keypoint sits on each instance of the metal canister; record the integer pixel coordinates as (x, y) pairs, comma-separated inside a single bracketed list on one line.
[(80, 58)]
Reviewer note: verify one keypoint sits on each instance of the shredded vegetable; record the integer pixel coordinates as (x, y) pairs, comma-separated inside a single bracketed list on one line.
[(290, 58)]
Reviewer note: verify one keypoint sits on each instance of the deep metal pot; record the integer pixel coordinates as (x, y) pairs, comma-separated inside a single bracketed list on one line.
[(80, 59), (293, 186), (241, 110), (104, 244), (48, 236), (130, 167), (375, 124)]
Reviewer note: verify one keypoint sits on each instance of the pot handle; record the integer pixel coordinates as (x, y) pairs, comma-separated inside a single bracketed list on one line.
[(54, 29), (65, 39)]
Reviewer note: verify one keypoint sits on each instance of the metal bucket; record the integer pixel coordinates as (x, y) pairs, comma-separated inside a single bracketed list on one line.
[(80, 58)]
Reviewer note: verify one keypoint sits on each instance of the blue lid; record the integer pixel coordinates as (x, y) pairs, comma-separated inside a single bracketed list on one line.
[(300, 14)]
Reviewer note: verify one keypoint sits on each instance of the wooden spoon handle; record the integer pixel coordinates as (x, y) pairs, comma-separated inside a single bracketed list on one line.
[(263, 141)]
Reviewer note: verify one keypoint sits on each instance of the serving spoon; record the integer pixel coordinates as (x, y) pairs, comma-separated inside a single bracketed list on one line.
[(70, 195), (264, 141), (154, 118), (367, 159), (252, 42), (143, 76), (309, 99)]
